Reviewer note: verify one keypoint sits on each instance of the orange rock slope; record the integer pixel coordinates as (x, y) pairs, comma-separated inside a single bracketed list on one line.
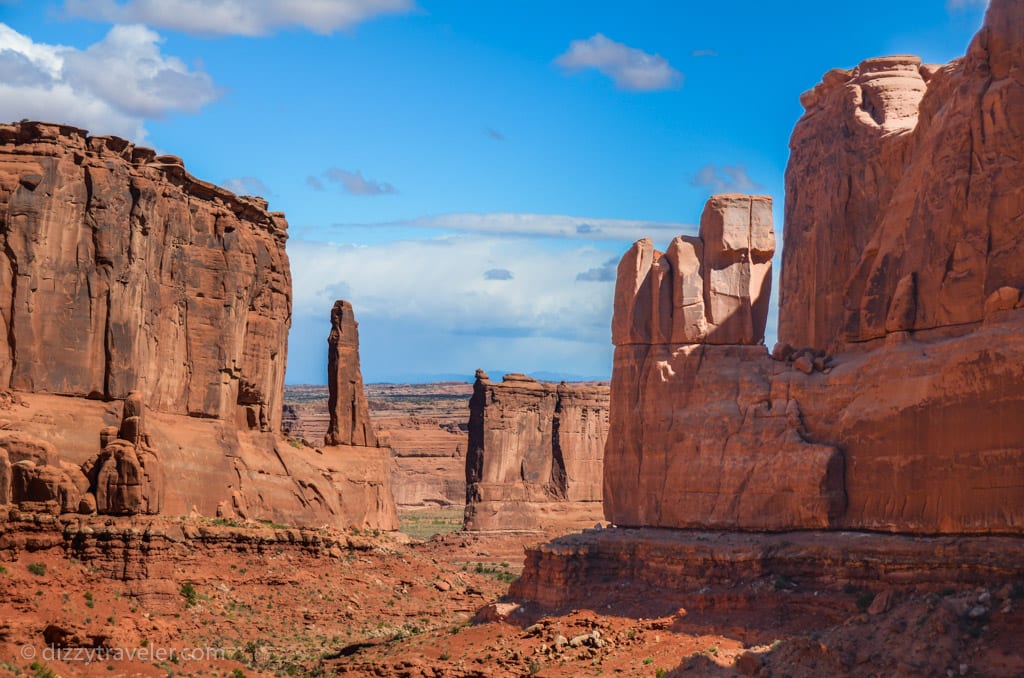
[(894, 399), (126, 278)]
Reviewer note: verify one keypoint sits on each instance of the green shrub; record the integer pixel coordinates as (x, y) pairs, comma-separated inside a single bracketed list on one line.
[(188, 592), (38, 569)]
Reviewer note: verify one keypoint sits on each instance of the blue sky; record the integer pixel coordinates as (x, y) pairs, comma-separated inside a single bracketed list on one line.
[(465, 172)]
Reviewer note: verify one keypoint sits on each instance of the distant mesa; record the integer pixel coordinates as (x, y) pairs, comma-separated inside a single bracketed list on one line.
[(535, 454)]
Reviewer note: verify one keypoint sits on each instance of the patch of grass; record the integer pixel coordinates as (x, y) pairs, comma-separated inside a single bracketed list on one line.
[(188, 592), (237, 673), (3, 570), (40, 670), (659, 672), (534, 667), (89, 602), (648, 661), (225, 522), (496, 572), (274, 526), (425, 524), (38, 569)]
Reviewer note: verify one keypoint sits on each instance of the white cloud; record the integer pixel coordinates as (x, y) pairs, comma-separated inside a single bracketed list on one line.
[(111, 87), (547, 225), (356, 184), (725, 179), (247, 186), (445, 284), (238, 17), (425, 307), (630, 68)]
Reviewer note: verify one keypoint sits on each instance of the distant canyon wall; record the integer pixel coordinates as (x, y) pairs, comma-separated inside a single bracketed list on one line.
[(535, 454), (893, 399)]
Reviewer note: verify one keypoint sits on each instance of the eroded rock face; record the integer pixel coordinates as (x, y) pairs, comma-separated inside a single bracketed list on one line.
[(169, 285), (126, 477), (710, 289), (122, 273), (905, 206), (535, 454), (33, 477), (350, 415), (697, 438), (893, 401)]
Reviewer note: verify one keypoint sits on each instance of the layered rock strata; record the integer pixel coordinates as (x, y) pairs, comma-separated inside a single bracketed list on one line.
[(697, 438), (349, 414), (704, 571), (535, 454), (120, 271)]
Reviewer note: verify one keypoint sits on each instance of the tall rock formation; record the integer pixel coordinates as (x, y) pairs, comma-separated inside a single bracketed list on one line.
[(123, 277), (905, 204), (350, 415), (697, 439), (123, 272), (895, 398), (535, 454)]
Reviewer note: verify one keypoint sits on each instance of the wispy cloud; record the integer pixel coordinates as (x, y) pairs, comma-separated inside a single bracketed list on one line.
[(111, 87), (356, 184), (628, 67), (246, 186), (232, 17), (544, 225), (494, 134), (498, 274), (314, 183), (704, 53), (442, 282), (725, 179)]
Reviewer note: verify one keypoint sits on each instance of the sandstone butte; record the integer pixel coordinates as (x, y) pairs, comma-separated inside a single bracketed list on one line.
[(124, 278), (535, 454), (893, 402)]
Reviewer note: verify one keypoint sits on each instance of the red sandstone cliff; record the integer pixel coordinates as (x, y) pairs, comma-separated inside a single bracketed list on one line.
[(903, 193), (535, 454), (120, 271), (697, 438), (904, 229), (124, 277)]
